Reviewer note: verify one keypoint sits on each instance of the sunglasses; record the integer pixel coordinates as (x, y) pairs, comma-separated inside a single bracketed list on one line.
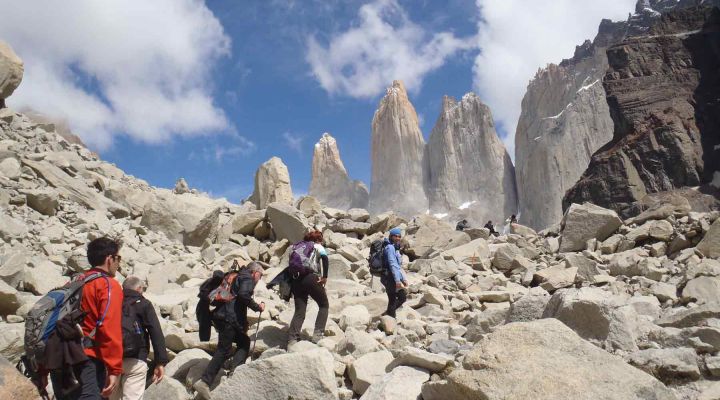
[(117, 257)]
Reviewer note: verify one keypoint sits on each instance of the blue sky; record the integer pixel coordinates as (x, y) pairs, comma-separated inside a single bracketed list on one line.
[(210, 90)]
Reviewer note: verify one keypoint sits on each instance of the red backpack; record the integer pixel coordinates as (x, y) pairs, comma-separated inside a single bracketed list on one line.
[(223, 293)]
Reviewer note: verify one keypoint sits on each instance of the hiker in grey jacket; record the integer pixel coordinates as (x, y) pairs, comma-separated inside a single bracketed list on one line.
[(135, 366), (393, 278)]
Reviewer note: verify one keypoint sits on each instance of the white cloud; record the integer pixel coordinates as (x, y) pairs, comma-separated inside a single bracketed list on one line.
[(294, 142), (384, 45), (133, 66), (516, 37), (234, 146)]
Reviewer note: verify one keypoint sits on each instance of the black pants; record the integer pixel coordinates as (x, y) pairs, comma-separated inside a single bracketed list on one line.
[(228, 333), (308, 286), (91, 376), (396, 297)]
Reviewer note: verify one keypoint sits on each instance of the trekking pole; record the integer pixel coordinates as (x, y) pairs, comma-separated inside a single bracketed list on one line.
[(257, 329)]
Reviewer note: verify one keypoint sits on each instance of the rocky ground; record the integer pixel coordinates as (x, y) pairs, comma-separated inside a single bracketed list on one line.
[(595, 308)]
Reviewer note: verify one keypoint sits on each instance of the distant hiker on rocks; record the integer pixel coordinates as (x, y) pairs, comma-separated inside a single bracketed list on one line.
[(393, 279), (461, 225), (231, 298), (309, 266), (102, 300), (489, 226), (140, 326), (508, 222)]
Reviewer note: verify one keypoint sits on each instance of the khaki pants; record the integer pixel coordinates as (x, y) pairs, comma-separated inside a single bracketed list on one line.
[(132, 380)]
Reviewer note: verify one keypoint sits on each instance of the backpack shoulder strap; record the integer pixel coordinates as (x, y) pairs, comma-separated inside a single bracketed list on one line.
[(92, 277)]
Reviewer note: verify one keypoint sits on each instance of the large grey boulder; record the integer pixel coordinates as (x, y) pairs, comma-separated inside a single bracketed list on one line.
[(368, 369), (414, 357), (427, 234), (709, 246), (245, 223), (543, 360), (10, 168), (357, 343), (134, 199), (179, 366), (167, 388), (596, 315), (272, 184), (556, 277), (667, 364), (703, 289), (469, 253), (690, 317), (287, 222), (403, 383), (42, 275), (9, 299), (530, 306), (44, 201), (13, 385), (504, 256), (206, 228), (11, 228), (584, 222), (11, 71), (186, 218), (302, 375)]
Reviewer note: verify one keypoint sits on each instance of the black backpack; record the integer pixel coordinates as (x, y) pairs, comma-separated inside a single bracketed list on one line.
[(132, 331), (376, 261)]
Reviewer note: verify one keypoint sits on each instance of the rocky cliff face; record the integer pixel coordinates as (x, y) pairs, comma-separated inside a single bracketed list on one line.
[(330, 181), (272, 184), (662, 93), (398, 163), (565, 117), (468, 163)]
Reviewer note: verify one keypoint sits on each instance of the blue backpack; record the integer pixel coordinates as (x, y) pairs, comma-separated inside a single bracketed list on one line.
[(41, 320)]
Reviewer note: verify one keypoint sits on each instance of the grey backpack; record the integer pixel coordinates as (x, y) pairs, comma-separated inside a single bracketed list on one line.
[(41, 320)]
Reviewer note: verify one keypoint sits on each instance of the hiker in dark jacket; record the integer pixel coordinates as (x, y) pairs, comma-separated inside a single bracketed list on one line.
[(489, 226), (132, 380), (230, 320), (202, 310), (310, 284), (461, 225), (393, 279)]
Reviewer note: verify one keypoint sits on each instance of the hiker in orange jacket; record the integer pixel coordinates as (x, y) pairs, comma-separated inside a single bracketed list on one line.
[(102, 300)]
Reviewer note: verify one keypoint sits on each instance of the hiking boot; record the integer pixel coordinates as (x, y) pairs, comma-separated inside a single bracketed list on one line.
[(317, 336), (202, 389)]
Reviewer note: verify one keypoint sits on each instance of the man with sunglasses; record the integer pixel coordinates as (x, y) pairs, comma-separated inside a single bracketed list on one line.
[(102, 300)]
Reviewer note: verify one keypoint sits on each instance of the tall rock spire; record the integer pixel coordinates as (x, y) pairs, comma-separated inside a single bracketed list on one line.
[(272, 184), (398, 164), (468, 163), (330, 181)]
